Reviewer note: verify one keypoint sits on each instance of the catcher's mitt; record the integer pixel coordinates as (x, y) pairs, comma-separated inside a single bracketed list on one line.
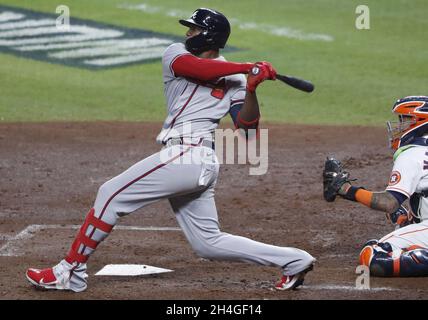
[(334, 176)]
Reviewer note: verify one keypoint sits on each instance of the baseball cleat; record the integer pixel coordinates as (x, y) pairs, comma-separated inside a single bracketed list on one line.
[(42, 278), (292, 282), (289, 282), (60, 277)]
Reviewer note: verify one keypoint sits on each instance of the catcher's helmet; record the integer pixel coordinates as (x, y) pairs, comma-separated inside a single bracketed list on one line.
[(412, 121), (215, 30)]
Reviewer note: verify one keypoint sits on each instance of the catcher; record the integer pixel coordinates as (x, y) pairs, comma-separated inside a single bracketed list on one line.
[(404, 252)]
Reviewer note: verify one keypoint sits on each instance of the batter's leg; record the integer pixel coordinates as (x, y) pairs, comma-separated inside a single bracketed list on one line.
[(149, 180), (197, 215)]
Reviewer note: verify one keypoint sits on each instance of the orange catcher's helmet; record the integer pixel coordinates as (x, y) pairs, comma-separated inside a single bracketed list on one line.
[(412, 121)]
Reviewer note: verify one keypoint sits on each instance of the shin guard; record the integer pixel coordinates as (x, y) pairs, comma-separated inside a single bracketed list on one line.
[(414, 263), (383, 262), (82, 241)]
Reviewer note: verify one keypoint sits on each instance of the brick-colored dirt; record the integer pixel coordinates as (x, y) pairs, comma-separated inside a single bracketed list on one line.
[(50, 174)]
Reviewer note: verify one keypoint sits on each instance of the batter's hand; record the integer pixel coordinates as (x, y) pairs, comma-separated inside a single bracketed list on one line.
[(260, 72)]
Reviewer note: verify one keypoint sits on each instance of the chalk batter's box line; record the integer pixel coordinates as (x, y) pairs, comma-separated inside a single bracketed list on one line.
[(30, 231), (9, 250), (344, 287)]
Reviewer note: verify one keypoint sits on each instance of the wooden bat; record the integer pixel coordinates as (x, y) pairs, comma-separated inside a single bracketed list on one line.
[(296, 82)]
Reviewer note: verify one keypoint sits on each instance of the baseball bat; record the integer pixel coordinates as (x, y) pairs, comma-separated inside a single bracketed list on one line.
[(297, 83)]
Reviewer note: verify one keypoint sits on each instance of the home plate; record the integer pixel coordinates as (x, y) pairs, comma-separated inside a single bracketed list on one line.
[(129, 270)]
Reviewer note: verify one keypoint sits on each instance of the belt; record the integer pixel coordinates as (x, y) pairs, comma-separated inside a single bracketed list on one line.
[(179, 141)]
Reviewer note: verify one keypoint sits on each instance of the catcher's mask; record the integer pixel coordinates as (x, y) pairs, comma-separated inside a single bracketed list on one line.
[(215, 30), (412, 121)]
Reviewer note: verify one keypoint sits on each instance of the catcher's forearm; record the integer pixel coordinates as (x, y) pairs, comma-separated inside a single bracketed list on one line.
[(382, 201)]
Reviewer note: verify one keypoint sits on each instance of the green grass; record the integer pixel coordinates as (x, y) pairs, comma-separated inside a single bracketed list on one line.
[(357, 76)]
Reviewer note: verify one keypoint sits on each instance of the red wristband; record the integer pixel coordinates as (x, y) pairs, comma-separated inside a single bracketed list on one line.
[(247, 123)]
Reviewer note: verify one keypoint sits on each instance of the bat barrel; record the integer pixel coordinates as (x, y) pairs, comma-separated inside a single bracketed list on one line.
[(297, 83)]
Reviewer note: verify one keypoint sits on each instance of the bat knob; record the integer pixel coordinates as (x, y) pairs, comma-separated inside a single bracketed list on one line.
[(255, 71)]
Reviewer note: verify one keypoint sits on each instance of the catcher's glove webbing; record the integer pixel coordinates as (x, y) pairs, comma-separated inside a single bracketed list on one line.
[(334, 176)]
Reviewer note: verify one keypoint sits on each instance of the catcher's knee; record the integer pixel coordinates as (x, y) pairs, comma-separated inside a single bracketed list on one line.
[(384, 262), (378, 257), (367, 252)]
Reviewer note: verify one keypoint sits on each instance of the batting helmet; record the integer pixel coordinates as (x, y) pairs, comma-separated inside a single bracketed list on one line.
[(412, 121), (215, 30)]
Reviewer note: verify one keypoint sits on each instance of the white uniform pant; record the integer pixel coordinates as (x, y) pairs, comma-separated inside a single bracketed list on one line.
[(186, 175), (408, 237)]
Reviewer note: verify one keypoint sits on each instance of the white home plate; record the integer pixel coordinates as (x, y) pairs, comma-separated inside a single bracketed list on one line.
[(129, 270)]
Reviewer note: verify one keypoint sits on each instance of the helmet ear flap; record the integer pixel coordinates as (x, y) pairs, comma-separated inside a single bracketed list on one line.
[(216, 31)]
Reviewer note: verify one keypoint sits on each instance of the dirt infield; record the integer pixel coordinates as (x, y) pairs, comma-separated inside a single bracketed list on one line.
[(50, 174)]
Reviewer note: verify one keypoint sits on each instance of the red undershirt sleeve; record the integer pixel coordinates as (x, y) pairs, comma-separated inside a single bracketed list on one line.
[(206, 69)]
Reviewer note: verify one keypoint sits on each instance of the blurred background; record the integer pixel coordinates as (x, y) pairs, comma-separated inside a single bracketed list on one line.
[(358, 73)]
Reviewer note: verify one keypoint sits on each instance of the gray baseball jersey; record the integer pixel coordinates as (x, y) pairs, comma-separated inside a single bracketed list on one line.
[(195, 108)]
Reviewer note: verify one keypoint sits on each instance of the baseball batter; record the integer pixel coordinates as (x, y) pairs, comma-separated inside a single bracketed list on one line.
[(404, 252), (201, 87)]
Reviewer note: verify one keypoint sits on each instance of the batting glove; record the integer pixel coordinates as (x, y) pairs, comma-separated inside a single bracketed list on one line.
[(260, 72)]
